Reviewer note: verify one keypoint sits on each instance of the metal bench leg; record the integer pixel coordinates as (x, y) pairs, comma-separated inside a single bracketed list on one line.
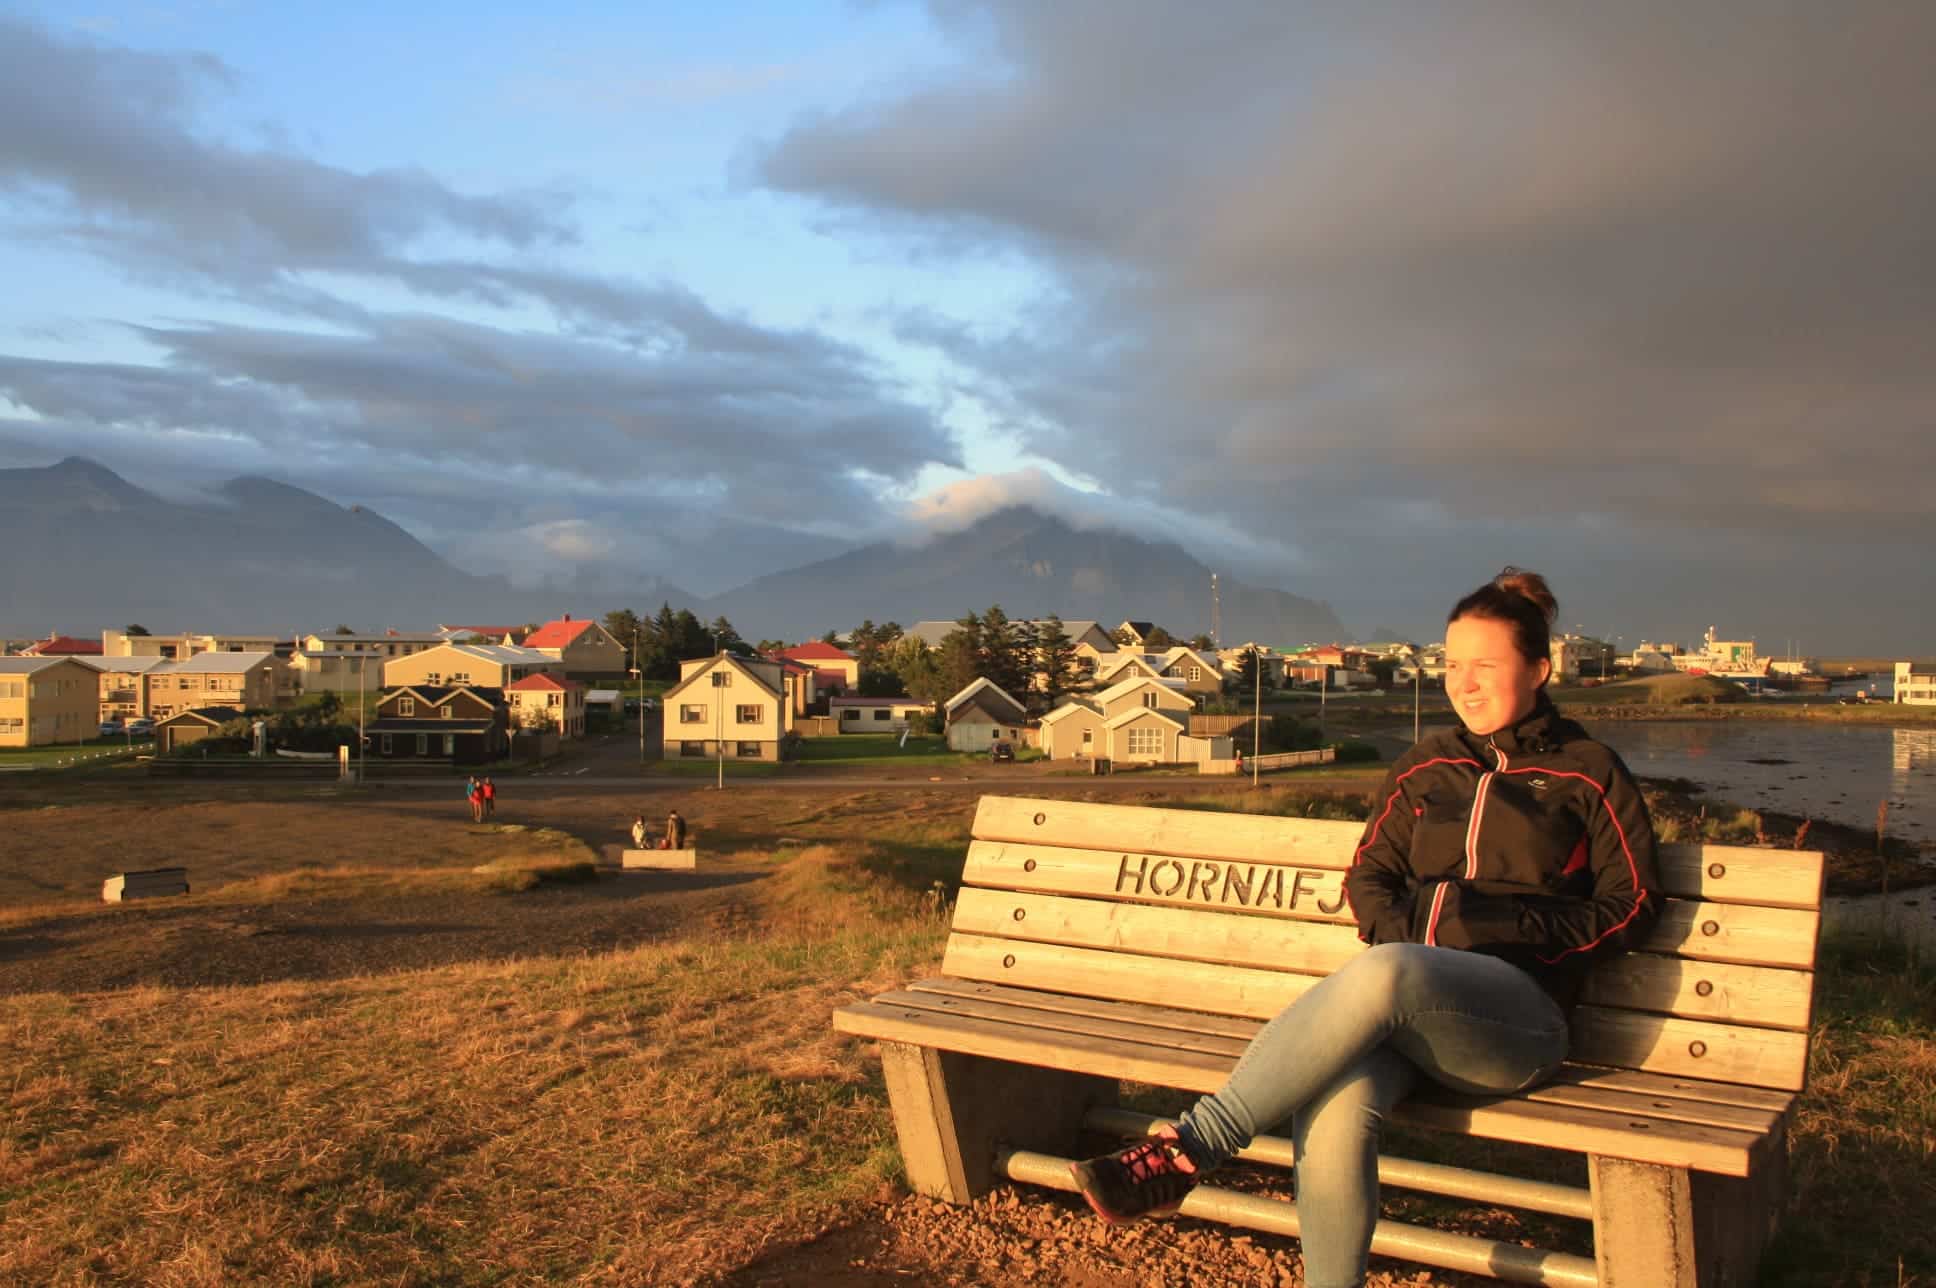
[(1664, 1226), (951, 1112)]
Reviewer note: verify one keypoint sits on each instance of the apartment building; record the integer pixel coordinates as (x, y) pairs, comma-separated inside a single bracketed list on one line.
[(47, 700)]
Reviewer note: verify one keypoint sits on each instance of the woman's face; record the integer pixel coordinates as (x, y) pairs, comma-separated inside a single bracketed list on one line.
[(1491, 685)]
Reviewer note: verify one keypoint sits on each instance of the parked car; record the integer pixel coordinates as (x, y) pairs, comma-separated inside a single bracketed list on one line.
[(141, 727), (1002, 751), (112, 728)]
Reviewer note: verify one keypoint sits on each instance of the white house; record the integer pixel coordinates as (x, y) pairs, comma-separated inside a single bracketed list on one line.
[(727, 705), (1916, 683), (1073, 731), (873, 715), (983, 714)]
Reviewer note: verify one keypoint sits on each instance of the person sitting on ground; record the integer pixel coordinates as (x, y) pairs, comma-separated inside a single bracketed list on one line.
[(1501, 859), (638, 832)]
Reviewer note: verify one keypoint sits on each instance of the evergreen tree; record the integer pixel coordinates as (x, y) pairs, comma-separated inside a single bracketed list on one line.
[(688, 639), (1202, 641), (724, 636), (1001, 660), (1055, 658), (1157, 640), (959, 658), (623, 625)]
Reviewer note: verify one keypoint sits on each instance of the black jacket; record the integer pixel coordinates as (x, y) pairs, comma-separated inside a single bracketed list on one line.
[(1532, 845)]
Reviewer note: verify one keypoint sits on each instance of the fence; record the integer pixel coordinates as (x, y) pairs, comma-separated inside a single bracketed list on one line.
[(1276, 760)]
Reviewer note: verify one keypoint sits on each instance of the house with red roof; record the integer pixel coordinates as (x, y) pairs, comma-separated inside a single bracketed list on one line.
[(838, 669), (62, 646), (547, 702), (588, 650)]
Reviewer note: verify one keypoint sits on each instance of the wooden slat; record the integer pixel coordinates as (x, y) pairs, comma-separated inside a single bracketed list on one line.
[(1734, 932), (1730, 994), (1728, 1053), (1194, 834), (1657, 1084), (1124, 1024), (1661, 1044), (1187, 933), (1270, 889), (1714, 873), (1743, 874), (1568, 1127)]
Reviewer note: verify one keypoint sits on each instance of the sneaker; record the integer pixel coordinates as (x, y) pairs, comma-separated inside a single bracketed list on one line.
[(1150, 1178)]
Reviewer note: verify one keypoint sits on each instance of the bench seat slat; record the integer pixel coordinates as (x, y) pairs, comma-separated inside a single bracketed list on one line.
[(1629, 1080), (1713, 873), (1123, 1025), (1733, 1053), (1647, 1140)]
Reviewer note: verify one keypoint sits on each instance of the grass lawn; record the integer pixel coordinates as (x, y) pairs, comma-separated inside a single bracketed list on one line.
[(880, 749), (62, 755)]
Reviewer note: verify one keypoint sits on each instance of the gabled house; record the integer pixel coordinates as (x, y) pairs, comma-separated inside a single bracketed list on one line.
[(983, 714), (1132, 634), (192, 725), (47, 700), (1073, 731), (731, 706), (488, 666), (838, 671), (247, 681), (586, 649), (58, 645), (1199, 673), (463, 724), (1140, 692), (1231, 660), (548, 702), (123, 685), (177, 648), (1146, 734)]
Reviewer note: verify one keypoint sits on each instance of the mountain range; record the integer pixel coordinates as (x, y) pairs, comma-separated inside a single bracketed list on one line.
[(88, 550)]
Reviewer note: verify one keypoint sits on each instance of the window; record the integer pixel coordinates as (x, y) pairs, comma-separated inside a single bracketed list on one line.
[(848, 713), (1149, 698), (450, 744), (692, 713), (749, 751), (749, 713), (1145, 742), (423, 744), (692, 748), (387, 747), (882, 713), (724, 679), (12, 724), (1088, 737), (406, 706), (1196, 673), (446, 711)]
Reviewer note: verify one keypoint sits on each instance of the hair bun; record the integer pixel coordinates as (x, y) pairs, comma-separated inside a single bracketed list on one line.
[(1528, 585)]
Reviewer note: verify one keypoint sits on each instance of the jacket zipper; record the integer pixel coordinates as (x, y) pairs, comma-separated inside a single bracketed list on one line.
[(1479, 794)]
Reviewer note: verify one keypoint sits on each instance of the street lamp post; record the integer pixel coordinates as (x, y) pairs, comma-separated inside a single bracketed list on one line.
[(1418, 670), (362, 739), (639, 671), (1256, 716), (719, 719)]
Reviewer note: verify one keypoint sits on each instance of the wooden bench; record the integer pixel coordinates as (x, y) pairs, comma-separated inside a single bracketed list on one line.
[(1093, 944)]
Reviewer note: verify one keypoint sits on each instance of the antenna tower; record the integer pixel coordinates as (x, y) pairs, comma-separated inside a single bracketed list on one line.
[(1216, 614)]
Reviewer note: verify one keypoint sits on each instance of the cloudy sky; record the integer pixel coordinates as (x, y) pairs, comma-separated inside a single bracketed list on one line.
[(1359, 300)]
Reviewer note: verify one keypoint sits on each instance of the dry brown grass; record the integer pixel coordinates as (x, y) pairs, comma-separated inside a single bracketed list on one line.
[(641, 1116)]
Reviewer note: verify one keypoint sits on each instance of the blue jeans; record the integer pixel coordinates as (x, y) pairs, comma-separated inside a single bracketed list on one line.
[(1336, 1060)]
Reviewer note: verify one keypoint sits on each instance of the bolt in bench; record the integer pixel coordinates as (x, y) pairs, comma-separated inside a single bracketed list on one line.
[(1094, 944)]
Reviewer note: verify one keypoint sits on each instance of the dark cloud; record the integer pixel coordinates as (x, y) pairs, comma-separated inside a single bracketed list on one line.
[(1430, 284)]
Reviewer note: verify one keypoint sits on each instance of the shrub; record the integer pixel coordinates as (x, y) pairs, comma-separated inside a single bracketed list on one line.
[(1352, 751)]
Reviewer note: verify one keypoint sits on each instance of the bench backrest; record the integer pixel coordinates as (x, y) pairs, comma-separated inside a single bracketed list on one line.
[(1237, 914)]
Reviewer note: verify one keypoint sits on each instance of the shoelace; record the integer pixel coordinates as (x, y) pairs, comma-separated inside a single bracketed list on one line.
[(1152, 1159)]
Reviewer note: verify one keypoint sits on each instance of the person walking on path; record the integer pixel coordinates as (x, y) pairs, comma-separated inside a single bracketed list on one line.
[(474, 797), (675, 831), (1501, 859), (488, 789)]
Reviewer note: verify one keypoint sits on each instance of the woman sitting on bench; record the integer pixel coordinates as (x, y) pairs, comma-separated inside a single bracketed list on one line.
[(1500, 861)]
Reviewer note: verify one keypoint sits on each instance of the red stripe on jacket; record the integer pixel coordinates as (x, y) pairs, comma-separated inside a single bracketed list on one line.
[(1398, 788), (1633, 870)]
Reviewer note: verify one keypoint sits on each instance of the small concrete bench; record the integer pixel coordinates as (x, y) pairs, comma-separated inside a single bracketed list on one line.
[(1094, 944), (150, 883), (644, 860)]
